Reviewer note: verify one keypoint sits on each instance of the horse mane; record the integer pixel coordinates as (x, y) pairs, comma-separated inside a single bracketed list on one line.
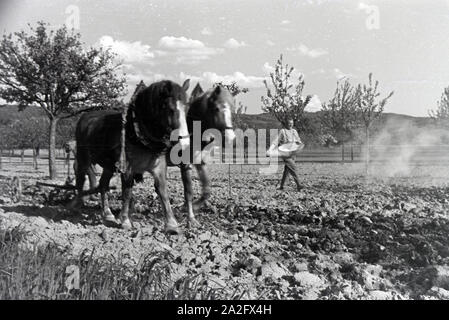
[(146, 111)]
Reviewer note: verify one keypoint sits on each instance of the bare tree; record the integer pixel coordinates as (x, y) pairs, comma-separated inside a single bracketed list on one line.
[(369, 108), (338, 116), (284, 98), (52, 70)]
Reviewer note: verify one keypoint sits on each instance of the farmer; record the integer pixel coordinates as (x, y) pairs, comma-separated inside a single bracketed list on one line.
[(288, 135)]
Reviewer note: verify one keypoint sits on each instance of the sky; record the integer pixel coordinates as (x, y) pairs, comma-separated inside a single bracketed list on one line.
[(404, 43)]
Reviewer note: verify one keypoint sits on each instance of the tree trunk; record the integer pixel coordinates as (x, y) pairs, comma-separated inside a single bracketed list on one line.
[(52, 149), (1, 154), (22, 154)]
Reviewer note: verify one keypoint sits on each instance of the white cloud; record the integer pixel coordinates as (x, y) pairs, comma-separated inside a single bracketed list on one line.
[(270, 43), (206, 31), (148, 78), (129, 51), (183, 76), (285, 22), (314, 105), (363, 6), (305, 51), (340, 74), (169, 42), (184, 50), (234, 44), (267, 68)]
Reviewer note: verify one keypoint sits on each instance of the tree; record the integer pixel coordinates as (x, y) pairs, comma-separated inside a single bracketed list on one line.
[(240, 109), (29, 133), (285, 99), (338, 116), (369, 107), (441, 113), (51, 69)]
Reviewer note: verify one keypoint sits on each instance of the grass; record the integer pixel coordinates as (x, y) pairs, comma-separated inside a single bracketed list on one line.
[(40, 273)]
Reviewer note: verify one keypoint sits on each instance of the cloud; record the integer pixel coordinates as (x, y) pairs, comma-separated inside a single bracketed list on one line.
[(147, 77), (305, 51), (184, 50), (285, 22), (314, 105), (234, 44), (130, 52), (270, 43), (268, 68), (206, 31), (340, 74), (169, 42)]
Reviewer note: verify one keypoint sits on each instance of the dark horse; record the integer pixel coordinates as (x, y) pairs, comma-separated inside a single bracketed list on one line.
[(158, 112), (212, 109)]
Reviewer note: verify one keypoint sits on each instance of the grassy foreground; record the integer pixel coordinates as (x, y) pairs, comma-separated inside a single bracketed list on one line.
[(47, 273)]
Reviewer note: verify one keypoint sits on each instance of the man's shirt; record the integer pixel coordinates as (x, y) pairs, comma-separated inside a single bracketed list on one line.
[(287, 136)]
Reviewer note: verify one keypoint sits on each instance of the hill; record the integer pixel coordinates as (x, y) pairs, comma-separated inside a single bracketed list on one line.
[(392, 128)]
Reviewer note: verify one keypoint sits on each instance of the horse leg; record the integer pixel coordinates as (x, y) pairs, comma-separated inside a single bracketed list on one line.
[(160, 184), (127, 193), (80, 175), (186, 174), (205, 185), (91, 174), (104, 187)]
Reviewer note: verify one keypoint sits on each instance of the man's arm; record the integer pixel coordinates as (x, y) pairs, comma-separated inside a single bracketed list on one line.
[(296, 137)]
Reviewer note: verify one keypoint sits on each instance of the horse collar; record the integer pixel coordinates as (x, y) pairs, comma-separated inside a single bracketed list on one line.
[(138, 132)]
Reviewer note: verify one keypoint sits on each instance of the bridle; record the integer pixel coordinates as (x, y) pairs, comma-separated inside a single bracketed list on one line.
[(148, 140)]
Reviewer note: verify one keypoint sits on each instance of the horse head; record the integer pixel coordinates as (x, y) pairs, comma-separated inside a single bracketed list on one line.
[(214, 108), (161, 109)]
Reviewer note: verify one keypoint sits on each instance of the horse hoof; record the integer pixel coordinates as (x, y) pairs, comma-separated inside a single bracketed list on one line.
[(110, 218), (126, 225), (193, 223), (75, 204), (174, 230), (197, 205)]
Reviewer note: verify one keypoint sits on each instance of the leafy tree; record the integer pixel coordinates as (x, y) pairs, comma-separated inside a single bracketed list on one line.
[(285, 99), (369, 108), (29, 133), (51, 69), (441, 113)]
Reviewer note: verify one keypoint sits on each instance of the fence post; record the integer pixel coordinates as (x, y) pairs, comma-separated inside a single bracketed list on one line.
[(352, 153), (343, 152)]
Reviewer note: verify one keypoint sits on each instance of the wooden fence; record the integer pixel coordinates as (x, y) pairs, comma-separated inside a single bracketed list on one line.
[(348, 153)]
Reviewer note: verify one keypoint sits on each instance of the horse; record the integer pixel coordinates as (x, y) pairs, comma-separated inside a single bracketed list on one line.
[(158, 112), (213, 109)]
